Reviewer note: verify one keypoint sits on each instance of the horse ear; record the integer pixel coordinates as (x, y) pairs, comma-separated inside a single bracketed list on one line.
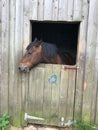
[(40, 41), (35, 39)]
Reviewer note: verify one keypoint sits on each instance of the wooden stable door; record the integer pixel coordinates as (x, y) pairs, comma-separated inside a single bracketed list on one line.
[(51, 94)]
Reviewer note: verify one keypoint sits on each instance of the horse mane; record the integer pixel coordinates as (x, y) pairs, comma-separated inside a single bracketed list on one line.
[(48, 49)]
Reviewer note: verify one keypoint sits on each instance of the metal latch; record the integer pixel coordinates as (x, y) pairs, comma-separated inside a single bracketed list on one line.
[(73, 67)]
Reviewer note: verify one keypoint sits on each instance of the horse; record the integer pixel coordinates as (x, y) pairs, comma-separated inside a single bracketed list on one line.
[(43, 52)]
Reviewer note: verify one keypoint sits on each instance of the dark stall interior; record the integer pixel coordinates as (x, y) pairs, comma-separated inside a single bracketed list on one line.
[(64, 35)]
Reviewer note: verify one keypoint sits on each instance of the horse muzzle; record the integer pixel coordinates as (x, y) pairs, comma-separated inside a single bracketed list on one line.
[(24, 69)]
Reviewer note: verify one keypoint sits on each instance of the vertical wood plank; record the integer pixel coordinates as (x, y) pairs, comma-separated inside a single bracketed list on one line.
[(94, 111), (77, 10), (19, 57), (63, 8), (70, 10), (24, 94), (33, 9), (55, 9), (55, 80), (47, 94), (70, 94), (96, 117), (40, 10), (26, 28), (11, 58), (0, 49), (82, 41), (86, 112), (86, 101), (94, 95), (48, 9), (32, 92), (63, 94), (17, 54), (4, 60), (39, 83), (90, 53), (26, 40)]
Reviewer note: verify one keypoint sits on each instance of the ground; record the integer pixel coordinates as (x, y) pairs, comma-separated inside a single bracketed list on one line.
[(33, 127)]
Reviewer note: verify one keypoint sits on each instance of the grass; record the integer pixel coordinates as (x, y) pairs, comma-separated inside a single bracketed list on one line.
[(84, 126)]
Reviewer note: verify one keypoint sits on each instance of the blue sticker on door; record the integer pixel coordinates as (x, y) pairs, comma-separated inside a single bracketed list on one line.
[(53, 78)]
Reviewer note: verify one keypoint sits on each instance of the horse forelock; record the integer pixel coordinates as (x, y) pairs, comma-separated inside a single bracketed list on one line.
[(49, 50), (34, 43), (29, 46)]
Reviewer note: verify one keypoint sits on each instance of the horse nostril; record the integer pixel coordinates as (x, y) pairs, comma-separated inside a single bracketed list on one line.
[(19, 68), (24, 69)]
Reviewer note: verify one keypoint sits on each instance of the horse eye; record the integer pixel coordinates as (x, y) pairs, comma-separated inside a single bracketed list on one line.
[(29, 52)]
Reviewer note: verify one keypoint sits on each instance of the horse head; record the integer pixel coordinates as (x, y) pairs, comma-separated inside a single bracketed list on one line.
[(32, 57)]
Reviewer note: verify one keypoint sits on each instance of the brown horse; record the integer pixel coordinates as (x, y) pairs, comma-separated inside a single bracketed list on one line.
[(42, 52)]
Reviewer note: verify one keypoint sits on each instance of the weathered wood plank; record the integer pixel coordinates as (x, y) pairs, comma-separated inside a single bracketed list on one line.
[(12, 58), (26, 28), (94, 95), (91, 37), (70, 94), (90, 53), (63, 94), (35, 93), (48, 10), (24, 96), (55, 9), (82, 41), (94, 105), (55, 82), (85, 11), (33, 9), (4, 59), (77, 16), (96, 117), (47, 94), (70, 10), (96, 77), (0, 50), (17, 54), (20, 54), (39, 83), (62, 12), (86, 103), (40, 10), (32, 92), (26, 40)]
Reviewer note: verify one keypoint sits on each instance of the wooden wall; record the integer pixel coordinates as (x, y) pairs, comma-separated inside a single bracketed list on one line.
[(15, 87)]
